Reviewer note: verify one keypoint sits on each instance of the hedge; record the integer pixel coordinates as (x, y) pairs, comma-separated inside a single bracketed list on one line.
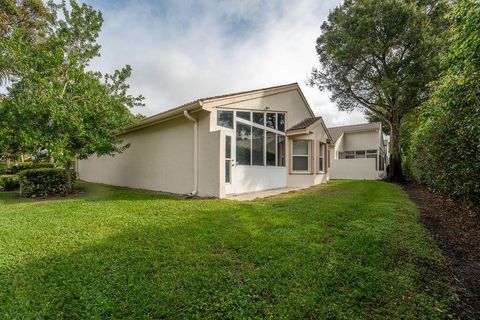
[(9, 183), (444, 152), (43, 182), (18, 167)]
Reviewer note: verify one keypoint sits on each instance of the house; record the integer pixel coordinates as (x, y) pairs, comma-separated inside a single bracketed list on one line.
[(358, 152), (218, 146)]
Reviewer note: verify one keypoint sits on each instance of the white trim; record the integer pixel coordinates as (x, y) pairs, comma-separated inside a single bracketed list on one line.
[(308, 155)]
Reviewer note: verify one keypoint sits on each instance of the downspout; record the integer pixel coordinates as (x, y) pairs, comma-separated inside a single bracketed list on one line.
[(195, 153)]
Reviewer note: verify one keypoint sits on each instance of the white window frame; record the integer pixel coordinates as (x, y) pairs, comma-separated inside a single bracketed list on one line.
[(259, 126), (308, 155), (364, 155), (321, 156)]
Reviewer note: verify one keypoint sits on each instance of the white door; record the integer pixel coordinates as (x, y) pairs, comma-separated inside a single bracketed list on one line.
[(229, 164)]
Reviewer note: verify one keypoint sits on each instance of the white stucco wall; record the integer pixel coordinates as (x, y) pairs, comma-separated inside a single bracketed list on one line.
[(302, 180), (209, 158), (290, 102), (361, 141), (355, 169), (160, 158), (257, 178)]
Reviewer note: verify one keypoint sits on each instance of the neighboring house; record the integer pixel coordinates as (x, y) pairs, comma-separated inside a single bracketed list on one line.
[(217, 146), (358, 152)]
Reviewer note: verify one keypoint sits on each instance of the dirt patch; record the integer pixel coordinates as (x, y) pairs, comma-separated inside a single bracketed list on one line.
[(456, 230)]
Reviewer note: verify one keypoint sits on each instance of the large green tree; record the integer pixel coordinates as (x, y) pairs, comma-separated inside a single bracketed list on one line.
[(56, 105), (379, 56), (22, 24)]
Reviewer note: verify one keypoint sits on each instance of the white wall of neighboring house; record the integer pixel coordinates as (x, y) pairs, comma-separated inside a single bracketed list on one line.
[(358, 168), (355, 169)]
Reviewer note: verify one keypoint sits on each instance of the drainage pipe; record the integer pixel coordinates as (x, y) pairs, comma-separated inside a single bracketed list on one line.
[(195, 153)]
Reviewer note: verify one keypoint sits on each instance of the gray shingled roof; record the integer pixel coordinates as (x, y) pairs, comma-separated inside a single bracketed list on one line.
[(305, 123), (336, 132)]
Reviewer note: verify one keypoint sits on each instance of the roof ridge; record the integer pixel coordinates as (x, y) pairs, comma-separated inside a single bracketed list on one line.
[(246, 91)]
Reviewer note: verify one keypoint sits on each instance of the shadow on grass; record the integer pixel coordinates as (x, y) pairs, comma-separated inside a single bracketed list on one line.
[(190, 270), (244, 260)]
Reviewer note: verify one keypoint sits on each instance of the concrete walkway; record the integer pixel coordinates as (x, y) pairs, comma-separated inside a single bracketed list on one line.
[(260, 194)]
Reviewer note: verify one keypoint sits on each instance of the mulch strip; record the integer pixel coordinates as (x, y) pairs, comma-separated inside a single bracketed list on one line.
[(455, 228)]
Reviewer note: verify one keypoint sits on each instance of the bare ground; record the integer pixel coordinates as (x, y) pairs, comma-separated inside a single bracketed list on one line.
[(456, 230)]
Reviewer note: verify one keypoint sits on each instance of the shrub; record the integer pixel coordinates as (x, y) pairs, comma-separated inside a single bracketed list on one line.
[(445, 149), (3, 165), (43, 182), (18, 167), (9, 183)]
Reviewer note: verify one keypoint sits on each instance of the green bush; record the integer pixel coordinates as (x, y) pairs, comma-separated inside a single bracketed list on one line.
[(9, 183), (444, 152), (3, 165), (43, 182), (18, 167)]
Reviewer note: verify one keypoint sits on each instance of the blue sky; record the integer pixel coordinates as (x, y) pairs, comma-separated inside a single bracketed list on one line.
[(183, 50)]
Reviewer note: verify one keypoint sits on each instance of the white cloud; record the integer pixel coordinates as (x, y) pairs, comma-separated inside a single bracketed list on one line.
[(184, 50)]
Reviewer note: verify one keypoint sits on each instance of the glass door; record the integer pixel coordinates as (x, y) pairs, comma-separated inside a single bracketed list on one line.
[(229, 163)]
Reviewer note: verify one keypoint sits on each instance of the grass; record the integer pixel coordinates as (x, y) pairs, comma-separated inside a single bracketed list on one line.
[(348, 250)]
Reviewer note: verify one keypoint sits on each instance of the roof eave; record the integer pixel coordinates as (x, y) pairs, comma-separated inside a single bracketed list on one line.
[(164, 116)]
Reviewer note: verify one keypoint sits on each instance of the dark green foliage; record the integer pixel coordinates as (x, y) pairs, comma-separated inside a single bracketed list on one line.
[(378, 57), (445, 149), (18, 167), (43, 182), (9, 183), (56, 103)]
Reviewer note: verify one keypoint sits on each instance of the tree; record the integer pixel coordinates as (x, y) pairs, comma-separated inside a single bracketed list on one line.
[(21, 22), (379, 57), (56, 104)]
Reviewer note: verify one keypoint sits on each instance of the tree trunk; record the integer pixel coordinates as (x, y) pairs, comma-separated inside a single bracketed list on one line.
[(395, 172), (68, 174)]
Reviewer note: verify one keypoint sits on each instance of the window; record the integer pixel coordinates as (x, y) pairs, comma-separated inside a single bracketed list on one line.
[(228, 159), (301, 155), (349, 154), (243, 115), (281, 122), (371, 153), (281, 151), (271, 120), (225, 119), (244, 140), (341, 155), (360, 154), (259, 118), (321, 157), (257, 142), (271, 148), (258, 139), (381, 162)]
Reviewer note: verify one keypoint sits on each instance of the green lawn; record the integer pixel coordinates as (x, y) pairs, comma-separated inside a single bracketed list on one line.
[(346, 250)]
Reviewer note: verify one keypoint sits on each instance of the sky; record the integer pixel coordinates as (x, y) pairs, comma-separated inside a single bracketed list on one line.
[(182, 50)]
